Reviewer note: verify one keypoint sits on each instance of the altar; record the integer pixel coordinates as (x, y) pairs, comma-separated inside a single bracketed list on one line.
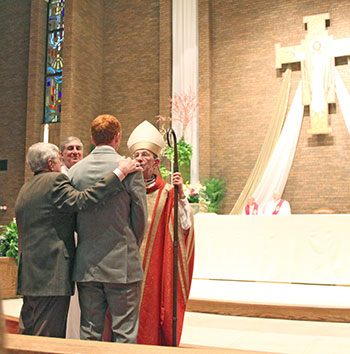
[(306, 249)]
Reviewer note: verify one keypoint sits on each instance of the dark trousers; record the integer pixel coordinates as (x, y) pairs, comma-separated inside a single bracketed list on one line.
[(123, 301), (44, 316)]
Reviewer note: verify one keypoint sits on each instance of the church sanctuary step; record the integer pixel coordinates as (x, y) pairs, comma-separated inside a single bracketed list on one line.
[(21, 344), (269, 335), (271, 300)]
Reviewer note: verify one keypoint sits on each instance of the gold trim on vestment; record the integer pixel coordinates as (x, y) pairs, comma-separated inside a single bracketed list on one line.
[(190, 241), (183, 262), (150, 235), (155, 215)]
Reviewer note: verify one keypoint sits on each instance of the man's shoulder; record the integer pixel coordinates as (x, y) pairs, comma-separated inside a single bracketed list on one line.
[(53, 179), (42, 183), (134, 178), (49, 177), (79, 165), (92, 168)]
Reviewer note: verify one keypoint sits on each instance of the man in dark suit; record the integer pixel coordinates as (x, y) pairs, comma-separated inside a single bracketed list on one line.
[(107, 268), (45, 218)]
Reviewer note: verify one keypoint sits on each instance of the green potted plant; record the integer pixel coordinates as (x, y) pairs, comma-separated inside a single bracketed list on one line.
[(214, 193), (9, 240), (8, 259), (184, 152)]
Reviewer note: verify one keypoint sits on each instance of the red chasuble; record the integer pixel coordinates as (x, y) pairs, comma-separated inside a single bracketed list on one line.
[(155, 325), (255, 209), (278, 207)]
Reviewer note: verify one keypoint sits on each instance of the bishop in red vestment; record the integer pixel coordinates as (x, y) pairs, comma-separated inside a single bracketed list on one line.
[(156, 312)]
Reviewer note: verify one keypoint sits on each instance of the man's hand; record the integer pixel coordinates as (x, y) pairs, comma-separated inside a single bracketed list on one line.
[(127, 165), (178, 181)]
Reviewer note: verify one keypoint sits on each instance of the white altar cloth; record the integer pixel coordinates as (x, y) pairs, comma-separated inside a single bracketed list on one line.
[(311, 249)]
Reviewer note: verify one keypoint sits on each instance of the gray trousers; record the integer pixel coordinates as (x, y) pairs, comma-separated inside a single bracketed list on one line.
[(123, 301), (44, 316)]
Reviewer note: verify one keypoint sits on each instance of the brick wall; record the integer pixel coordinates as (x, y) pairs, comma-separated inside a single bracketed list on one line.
[(111, 65), (36, 76), (14, 56), (204, 79), (117, 60), (244, 89), (131, 62), (82, 97)]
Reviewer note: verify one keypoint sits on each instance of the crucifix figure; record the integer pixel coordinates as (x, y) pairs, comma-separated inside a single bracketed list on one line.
[(316, 53)]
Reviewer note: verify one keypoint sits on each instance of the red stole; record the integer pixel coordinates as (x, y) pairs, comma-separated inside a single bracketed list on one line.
[(278, 207), (155, 324), (255, 209)]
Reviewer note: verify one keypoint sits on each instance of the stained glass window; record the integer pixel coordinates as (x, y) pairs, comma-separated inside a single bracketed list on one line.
[(54, 61)]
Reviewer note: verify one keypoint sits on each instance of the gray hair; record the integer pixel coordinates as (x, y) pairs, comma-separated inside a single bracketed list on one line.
[(39, 154), (64, 143)]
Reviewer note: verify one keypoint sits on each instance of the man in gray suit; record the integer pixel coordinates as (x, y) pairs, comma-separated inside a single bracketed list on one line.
[(45, 218), (107, 268)]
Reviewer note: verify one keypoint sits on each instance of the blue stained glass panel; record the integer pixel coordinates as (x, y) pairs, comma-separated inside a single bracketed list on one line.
[(55, 53), (53, 101), (54, 61), (56, 15)]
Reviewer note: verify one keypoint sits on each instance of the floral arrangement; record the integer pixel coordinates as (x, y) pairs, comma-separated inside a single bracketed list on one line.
[(184, 108), (209, 195), (195, 193)]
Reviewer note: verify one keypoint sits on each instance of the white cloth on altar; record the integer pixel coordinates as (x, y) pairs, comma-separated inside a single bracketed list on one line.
[(271, 207), (311, 249)]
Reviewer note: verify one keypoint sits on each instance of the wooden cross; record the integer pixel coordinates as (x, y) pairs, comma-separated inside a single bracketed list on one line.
[(316, 53)]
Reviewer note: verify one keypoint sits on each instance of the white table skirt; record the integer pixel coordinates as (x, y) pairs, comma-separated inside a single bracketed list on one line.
[(311, 249)]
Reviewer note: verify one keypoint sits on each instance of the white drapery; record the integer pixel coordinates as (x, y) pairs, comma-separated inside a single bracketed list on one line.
[(277, 170), (343, 99), (185, 69)]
